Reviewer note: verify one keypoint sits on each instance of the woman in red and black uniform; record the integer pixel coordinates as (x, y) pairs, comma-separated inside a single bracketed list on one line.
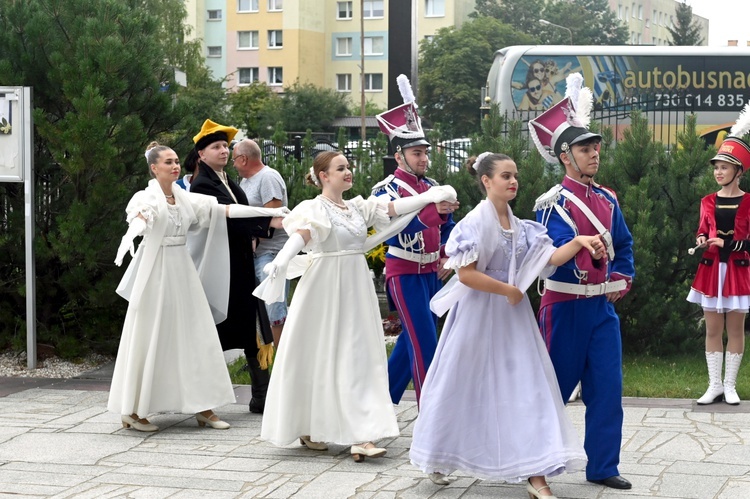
[(722, 283)]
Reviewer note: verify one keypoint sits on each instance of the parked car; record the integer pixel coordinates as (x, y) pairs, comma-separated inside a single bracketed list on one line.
[(456, 150)]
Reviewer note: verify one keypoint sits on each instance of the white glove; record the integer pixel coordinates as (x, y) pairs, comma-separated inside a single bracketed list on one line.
[(279, 264), (136, 228), (242, 211), (436, 194), (442, 193)]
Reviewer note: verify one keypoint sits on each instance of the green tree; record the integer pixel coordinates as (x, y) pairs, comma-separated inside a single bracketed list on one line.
[(590, 21), (523, 15), (103, 78), (453, 69), (686, 31), (371, 109), (660, 195), (254, 109), (306, 106)]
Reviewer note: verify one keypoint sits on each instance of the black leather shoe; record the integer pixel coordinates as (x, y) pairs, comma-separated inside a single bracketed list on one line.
[(614, 482)]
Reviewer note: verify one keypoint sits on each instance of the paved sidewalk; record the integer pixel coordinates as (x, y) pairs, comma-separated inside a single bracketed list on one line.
[(57, 440)]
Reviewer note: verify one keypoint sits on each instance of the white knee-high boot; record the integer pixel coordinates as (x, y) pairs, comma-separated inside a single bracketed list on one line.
[(732, 363), (715, 390)]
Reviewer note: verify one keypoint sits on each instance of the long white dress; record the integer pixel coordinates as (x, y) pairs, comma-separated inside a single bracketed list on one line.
[(330, 378), (491, 406), (170, 358)]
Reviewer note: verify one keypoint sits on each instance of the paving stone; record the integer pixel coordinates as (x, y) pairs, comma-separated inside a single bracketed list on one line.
[(62, 443), (63, 448), (690, 486), (333, 485)]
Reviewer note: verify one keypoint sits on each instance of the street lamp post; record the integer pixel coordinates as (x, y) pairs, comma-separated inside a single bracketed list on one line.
[(547, 23)]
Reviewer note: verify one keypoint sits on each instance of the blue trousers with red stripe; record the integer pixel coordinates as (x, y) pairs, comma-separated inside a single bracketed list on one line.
[(584, 343), (410, 296)]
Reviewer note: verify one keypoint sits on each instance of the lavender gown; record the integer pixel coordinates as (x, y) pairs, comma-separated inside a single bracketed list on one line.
[(491, 406)]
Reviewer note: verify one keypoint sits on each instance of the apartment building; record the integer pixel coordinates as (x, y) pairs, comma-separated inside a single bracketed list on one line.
[(648, 20), (310, 41), (318, 41)]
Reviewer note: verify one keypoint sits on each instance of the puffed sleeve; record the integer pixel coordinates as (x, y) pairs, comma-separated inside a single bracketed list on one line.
[(462, 246), (309, 215), (535, 262), (142, 203), (374, 210)]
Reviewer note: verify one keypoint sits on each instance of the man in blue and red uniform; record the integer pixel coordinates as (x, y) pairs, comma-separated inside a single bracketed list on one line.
[(577, 315), (413, 265)]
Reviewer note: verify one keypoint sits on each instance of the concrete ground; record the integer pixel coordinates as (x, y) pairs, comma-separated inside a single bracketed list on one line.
[(57, 440)]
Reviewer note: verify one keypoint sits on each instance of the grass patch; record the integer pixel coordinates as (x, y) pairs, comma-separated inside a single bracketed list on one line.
[(679, 376), (237, 371)]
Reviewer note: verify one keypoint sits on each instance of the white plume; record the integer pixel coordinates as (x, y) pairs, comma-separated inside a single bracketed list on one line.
[(573, 84), (584, 106), (404, 86), (742, 125)]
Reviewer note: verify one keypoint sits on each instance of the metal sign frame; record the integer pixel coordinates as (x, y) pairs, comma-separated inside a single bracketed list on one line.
[(17, 165)]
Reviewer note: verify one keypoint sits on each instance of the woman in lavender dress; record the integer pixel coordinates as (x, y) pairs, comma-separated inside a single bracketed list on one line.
[(504, 417)]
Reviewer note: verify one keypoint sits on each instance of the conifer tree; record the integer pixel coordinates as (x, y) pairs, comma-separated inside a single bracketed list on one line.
[(659, 194), (103, 78), (685, 30)]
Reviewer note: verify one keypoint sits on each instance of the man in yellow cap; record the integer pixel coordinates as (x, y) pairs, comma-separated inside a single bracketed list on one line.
[(239, 328)]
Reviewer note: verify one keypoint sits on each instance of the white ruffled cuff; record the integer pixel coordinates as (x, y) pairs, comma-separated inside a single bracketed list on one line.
[(462, 259)]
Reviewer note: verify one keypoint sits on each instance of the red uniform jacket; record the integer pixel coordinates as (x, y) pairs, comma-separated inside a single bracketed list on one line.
[(737, 281)]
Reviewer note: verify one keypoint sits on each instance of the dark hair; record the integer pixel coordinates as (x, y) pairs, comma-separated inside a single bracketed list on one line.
[(320, 164), (485, 167), (191, 161), (153, 151)]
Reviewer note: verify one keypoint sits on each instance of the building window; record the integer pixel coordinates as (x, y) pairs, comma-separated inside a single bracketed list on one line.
[(434, 8), (372, 9), (343, 47), (214, 51), (429, 38), (247, 5), (275, 40), (247, 40), (247, 76), (619, 12), (640, 12), (373, 82), (214, 15), (275, 76), (374, 45), (344, 83), (626, 15), (275, 5), (632, 10), (344, 10)]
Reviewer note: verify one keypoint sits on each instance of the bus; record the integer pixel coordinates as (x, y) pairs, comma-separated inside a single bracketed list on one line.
[(664, 82)]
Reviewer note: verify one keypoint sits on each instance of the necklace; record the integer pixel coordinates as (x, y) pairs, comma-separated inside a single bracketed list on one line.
[(342, 206)]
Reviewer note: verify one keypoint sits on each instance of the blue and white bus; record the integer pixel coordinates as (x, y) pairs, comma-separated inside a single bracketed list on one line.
[(712, 82)]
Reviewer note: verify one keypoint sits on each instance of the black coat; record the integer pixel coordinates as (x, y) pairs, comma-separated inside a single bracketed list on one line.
[(239, 328)]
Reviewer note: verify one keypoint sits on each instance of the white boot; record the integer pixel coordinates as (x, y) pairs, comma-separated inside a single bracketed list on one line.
[(730, 378), (715, 390)]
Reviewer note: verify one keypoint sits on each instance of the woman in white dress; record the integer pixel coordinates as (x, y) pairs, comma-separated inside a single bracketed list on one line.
[(330, 378), (170, 359), (503, 418)]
